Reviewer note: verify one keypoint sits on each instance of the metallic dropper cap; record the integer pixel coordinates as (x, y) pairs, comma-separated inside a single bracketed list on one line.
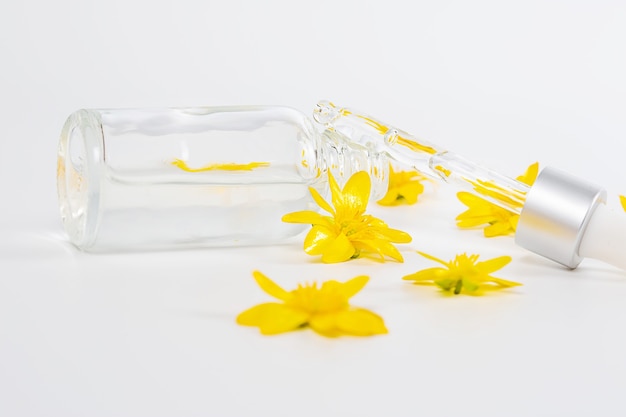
[(556, 213)]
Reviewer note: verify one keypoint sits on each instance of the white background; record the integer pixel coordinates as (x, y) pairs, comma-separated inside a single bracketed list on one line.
[(503, 83)]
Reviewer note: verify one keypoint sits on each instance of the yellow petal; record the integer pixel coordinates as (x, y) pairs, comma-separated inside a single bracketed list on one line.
[(470, 199), (335, 191), (392, 252), (360, 322), (504, 282), (429, 274), (622, 200), (498, 229), (476, 212), (473, 221), (482, 210), (410, 191), (324, 324), (530, 175), (367, 245), (339, 250), (272, 318), (384, 248), (318, 239), (493, 265), (432, 258), (257, 314), (306, 217), (353, 286), (396, 236), (319, 200), (270, 286), (356, 192), (390, 199), (331, 286)]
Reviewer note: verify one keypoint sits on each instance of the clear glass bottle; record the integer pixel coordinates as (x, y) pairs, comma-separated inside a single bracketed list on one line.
[(139, 179)]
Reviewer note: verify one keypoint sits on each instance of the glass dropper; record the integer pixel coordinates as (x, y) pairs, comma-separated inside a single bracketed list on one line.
[(423, 156), (562, 217)]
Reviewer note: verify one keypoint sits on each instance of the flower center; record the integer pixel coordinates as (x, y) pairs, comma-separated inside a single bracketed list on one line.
[(352, 226), (311, 299)]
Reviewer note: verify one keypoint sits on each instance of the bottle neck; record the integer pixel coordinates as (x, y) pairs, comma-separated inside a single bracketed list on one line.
[(332, 151)]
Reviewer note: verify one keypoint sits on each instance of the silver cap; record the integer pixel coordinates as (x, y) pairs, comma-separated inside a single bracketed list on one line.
[(555, 216)]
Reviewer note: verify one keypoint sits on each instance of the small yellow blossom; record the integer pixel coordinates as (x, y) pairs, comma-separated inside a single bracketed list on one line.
[(499, 221), (463, 274), (179, 163), (324, 308), (622, 200), (404, 187), (348, 230)]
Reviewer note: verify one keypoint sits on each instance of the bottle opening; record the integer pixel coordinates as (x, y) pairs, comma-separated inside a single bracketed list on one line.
[(79, 158)]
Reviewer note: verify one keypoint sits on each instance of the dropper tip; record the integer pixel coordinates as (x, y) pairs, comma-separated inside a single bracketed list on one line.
[(325, 112)]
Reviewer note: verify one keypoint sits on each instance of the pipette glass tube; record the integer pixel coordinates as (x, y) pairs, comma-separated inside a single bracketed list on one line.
[(423, 156)]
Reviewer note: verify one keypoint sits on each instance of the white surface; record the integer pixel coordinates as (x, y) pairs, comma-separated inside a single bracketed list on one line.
[(153, 334)]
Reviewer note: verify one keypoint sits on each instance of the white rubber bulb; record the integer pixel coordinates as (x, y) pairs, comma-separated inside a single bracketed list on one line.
[(605, 237)]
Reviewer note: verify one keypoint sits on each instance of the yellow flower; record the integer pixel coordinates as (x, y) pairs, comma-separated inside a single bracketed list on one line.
[(463, 274), (324, 309), (499, 221), (404, 187), (348, 230), (622, 199)]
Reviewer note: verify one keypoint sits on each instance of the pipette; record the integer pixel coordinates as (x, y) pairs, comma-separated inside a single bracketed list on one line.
[(562, 217)]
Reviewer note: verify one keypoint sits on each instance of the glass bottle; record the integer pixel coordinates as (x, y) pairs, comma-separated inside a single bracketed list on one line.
[(140, 179)]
